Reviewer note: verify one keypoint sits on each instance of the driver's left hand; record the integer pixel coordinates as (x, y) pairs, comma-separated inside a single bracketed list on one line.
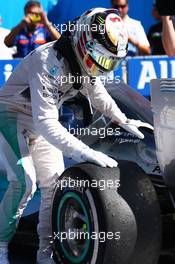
[(133, 126)]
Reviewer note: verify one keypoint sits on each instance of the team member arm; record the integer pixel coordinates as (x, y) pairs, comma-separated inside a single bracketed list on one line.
[(143, 49), (50, 27), (141, 41), (10, 38), (168, 36), (103, 102)]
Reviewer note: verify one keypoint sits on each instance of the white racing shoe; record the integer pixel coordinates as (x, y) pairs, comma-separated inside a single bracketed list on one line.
[(4, 255)]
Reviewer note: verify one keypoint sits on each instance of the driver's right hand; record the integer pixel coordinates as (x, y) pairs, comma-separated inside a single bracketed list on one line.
[(98, 158)]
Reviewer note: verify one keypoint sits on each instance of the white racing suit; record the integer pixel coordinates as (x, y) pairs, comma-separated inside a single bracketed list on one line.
[(32, 139)]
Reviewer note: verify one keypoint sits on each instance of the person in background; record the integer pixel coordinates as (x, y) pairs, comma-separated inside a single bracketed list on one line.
[(155, 34), (168, 35), (138, 42), (33, 31), (5, 53)]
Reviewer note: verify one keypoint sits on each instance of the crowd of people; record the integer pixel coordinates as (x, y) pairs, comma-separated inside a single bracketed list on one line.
[(35, 29)]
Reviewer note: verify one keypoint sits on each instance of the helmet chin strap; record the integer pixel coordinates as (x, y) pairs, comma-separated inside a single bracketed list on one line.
[(64, 48)]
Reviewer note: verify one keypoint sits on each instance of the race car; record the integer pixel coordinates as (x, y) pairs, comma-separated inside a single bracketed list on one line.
[(137, 213)]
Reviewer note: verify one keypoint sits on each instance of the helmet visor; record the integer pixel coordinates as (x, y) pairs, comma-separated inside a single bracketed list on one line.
[(103, 58), (106, 64)]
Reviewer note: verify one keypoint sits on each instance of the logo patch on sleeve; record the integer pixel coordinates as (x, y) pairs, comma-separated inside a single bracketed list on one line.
[(54, 71)]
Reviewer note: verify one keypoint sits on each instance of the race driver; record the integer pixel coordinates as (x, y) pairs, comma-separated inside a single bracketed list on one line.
[(32, 140)]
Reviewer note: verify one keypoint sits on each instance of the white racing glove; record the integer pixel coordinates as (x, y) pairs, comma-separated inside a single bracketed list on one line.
[(133, 126), (97, 157)]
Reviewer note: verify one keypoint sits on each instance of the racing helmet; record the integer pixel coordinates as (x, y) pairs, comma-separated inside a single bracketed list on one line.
[(100, 40)]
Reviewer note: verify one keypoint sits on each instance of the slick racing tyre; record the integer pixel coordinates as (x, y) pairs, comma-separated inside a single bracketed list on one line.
[(137, 189), (100, 214)]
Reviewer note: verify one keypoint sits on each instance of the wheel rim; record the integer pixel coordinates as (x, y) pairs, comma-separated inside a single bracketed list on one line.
[(72, 217)]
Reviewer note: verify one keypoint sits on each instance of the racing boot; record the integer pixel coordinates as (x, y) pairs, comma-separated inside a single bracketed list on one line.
[(4, 253)]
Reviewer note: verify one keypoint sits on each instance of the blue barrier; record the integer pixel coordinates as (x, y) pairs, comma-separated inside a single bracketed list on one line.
[(138, 71)]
